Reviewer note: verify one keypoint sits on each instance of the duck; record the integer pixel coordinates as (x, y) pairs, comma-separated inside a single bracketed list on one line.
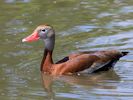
[(92, 61)]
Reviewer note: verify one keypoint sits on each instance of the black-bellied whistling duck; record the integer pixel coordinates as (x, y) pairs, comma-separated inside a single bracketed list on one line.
[(93, 61)]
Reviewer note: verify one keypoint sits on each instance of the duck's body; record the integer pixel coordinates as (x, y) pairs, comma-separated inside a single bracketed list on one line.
[(93, 61)]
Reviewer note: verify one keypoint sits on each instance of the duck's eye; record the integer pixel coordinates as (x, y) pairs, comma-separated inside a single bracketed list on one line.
[(43, 30)]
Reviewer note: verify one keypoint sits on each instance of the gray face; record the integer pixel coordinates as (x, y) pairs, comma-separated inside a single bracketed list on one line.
[(43, 33), (46, 33)]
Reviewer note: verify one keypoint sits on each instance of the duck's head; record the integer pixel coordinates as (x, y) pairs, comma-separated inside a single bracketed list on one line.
[(41, 32), (44, 32)]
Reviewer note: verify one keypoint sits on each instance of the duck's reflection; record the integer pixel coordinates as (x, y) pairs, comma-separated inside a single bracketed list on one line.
[(47, 81), (100, 80)]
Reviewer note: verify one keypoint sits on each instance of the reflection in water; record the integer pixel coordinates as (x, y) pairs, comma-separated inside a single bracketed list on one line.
[(47, 82), (90, 82)]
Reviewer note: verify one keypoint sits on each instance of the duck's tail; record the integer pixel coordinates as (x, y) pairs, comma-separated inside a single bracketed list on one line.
[(124, 53)]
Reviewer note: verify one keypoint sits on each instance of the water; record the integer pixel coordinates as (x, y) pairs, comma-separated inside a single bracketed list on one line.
[(80, 25)]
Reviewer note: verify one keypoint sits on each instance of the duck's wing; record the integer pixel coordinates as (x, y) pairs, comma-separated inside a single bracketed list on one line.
[(93, 62), (71, 56), (101, 66), (81, 53), (107, 61), (63, 60)]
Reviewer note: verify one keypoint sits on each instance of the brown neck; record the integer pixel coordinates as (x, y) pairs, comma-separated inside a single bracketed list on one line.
[(47, 60)]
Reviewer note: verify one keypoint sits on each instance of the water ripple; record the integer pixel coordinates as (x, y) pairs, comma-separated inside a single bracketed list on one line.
[(127, 23), (127, 9), (110, 41), (78, 29), (13, 1)]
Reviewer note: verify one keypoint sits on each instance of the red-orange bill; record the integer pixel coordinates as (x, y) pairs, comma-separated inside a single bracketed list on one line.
[(32, 37)]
